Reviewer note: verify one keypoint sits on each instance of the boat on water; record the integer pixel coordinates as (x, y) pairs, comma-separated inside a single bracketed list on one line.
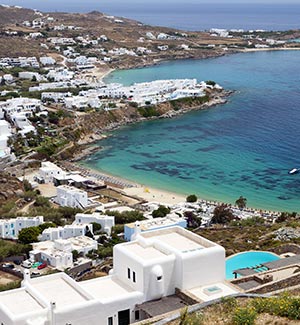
[(294, 171)]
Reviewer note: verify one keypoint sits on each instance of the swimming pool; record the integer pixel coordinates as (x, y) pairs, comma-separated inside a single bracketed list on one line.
[(247, 259)]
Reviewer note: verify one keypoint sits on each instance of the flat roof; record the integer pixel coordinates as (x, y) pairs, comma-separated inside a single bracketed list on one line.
[(179, 242), (58, 290), (20, 302), (105, 288), (213, 291), (157, 222), (147, 253)]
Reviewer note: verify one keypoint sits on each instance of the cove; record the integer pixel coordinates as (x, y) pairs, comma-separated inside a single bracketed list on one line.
[(245, 147)]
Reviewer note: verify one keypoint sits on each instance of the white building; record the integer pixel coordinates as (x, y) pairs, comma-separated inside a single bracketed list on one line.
[(58, 253), (5, 133), (21, 105), (10, 228), (68, 231), (106, 222), (170, 220), (47, 60), (146, 269), (69, 196), (48, 171)]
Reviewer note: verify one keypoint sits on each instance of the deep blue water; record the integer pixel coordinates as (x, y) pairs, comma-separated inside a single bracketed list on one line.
[(189, 15), (247, 259), (245, 147)]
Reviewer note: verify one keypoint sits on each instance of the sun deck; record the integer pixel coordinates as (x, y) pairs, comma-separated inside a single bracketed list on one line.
[(179, 239), (19, 302), (59, 290), (105, 288), (179, 242), (147, 253)]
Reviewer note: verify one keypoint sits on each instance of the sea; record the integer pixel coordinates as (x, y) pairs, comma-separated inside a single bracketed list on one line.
[(245, 147), (187, 15)]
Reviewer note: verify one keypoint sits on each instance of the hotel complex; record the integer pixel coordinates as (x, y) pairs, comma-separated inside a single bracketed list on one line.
[(153, 265)]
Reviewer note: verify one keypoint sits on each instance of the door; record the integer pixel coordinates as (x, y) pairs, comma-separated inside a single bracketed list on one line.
[(124, 317)]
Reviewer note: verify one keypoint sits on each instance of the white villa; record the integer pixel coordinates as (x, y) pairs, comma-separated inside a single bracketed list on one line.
[(48, 171), (20, 105), (148, 268), (170, 220), (68, 231), (5, 133), (10, 228), (72, 197), (106, 222), (58, 253)]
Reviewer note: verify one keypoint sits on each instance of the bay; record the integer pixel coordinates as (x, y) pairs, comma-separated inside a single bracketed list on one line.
[(245, 147)]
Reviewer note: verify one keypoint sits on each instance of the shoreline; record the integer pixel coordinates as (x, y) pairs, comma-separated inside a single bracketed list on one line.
[(156, 194), (151, 193)]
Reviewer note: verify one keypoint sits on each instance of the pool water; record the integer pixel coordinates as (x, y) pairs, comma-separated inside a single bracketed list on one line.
[(248, 259)]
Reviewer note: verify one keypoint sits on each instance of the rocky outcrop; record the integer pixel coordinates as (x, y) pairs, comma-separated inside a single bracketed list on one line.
[(10, 187), (287, 234)]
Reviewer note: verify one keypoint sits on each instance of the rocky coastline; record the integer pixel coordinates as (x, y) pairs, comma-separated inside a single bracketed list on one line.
[(131, 116)]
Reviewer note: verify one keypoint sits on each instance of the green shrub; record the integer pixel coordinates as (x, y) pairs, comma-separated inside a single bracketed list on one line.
[(192, 198), (244, 316), (161, 212)]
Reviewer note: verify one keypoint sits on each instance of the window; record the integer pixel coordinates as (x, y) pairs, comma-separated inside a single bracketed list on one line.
[(110, 321), (133, 276), (128, 273), (159, 278), (137, 315)]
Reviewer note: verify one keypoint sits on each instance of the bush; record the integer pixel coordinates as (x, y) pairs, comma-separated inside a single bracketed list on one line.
[(41, 201), (161, 212), (283, 306), (96, 228), (126, 216), (191, 198), (244, 316), (29, 235)]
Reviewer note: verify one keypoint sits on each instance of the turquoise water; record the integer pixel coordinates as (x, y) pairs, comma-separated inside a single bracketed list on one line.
[(247, 259), (245, 147)]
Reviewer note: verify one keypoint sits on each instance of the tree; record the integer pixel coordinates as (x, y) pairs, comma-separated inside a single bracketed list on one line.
[(222, 214), (42, 201), (96, 227), (193, 221), (88, 233), (29, 235), (161, 212), (241, 202), (75, 254), (191, 198), (46, 225)]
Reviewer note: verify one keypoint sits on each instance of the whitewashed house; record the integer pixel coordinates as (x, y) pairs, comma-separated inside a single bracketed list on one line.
[(5, 133), (146, 269), (71, 197), (106, 222), (58, 253), (10, 228), (48, 171), (68, 231)]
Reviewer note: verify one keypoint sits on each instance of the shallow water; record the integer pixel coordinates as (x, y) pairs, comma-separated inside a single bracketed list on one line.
[(245, 147)]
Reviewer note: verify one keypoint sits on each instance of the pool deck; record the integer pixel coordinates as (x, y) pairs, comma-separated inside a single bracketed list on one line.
[(270, 265)]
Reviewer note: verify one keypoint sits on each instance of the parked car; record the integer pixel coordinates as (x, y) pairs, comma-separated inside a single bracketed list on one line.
[(27, 264), (35, 274), (8, 266), (17, 262), (42, 266)]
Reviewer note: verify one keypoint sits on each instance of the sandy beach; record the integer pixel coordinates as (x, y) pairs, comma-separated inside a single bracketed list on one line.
[(151, 194)]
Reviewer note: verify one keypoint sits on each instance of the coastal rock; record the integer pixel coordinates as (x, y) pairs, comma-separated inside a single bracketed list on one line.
[(287, 234)]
